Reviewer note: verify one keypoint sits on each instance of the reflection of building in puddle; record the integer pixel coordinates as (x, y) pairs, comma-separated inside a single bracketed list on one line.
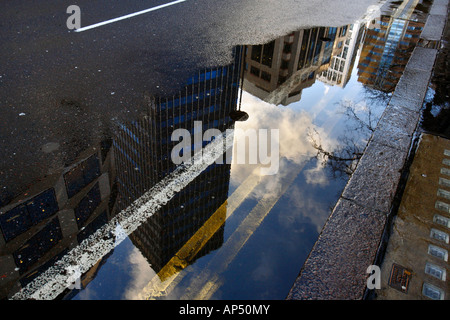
[(341, 65), (143, 158), (278, 71), (36, 231), (41, 226), (388, 44)]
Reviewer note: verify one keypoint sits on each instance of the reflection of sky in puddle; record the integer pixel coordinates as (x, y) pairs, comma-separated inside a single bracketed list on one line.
[(322, 109), (283, 240), (264, 266), (126, 272)]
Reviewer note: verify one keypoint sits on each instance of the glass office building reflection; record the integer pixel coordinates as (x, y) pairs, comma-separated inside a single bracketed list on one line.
[(142, 155), (388, 44)]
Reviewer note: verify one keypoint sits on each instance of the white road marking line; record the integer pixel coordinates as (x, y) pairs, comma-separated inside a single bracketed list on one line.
[(128, 16), (55, 279)]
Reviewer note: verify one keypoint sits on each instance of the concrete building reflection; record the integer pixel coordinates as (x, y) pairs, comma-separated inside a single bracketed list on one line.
[(341, 65), (278, 71)]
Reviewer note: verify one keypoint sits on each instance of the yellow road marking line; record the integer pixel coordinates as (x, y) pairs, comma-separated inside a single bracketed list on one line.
[(169, 276), (198, 290)]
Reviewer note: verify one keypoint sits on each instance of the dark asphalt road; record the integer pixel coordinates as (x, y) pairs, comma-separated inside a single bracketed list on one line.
[(62, 88)]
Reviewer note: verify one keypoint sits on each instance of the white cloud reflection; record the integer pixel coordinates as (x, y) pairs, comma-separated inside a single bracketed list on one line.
[(295, 146), (141, 273)]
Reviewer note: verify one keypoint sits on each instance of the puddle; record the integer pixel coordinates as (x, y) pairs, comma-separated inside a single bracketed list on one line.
[(436, 108), (135, 225)]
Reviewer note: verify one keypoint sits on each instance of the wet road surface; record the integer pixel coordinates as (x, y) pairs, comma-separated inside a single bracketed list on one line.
[(70, 86), (92, 205)]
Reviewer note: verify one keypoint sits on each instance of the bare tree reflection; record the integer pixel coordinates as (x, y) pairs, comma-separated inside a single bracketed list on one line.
[(343, 159), (360, 124), (361, 119)]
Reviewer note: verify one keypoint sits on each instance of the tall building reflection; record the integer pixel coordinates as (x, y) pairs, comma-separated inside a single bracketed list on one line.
[(278, 71), (41, 226), (388, 44), (209, 97), (341, 65)]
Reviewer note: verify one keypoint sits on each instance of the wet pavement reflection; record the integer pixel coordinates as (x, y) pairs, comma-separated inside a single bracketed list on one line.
[(120, 220)]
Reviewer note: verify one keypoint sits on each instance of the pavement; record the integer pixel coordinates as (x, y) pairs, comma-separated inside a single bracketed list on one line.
[(364, 229)]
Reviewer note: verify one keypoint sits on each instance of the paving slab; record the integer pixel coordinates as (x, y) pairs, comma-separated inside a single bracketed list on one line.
[(375, 180), (433, 27), (422, 59), (412, 86), (439, 7), (396, 127)]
